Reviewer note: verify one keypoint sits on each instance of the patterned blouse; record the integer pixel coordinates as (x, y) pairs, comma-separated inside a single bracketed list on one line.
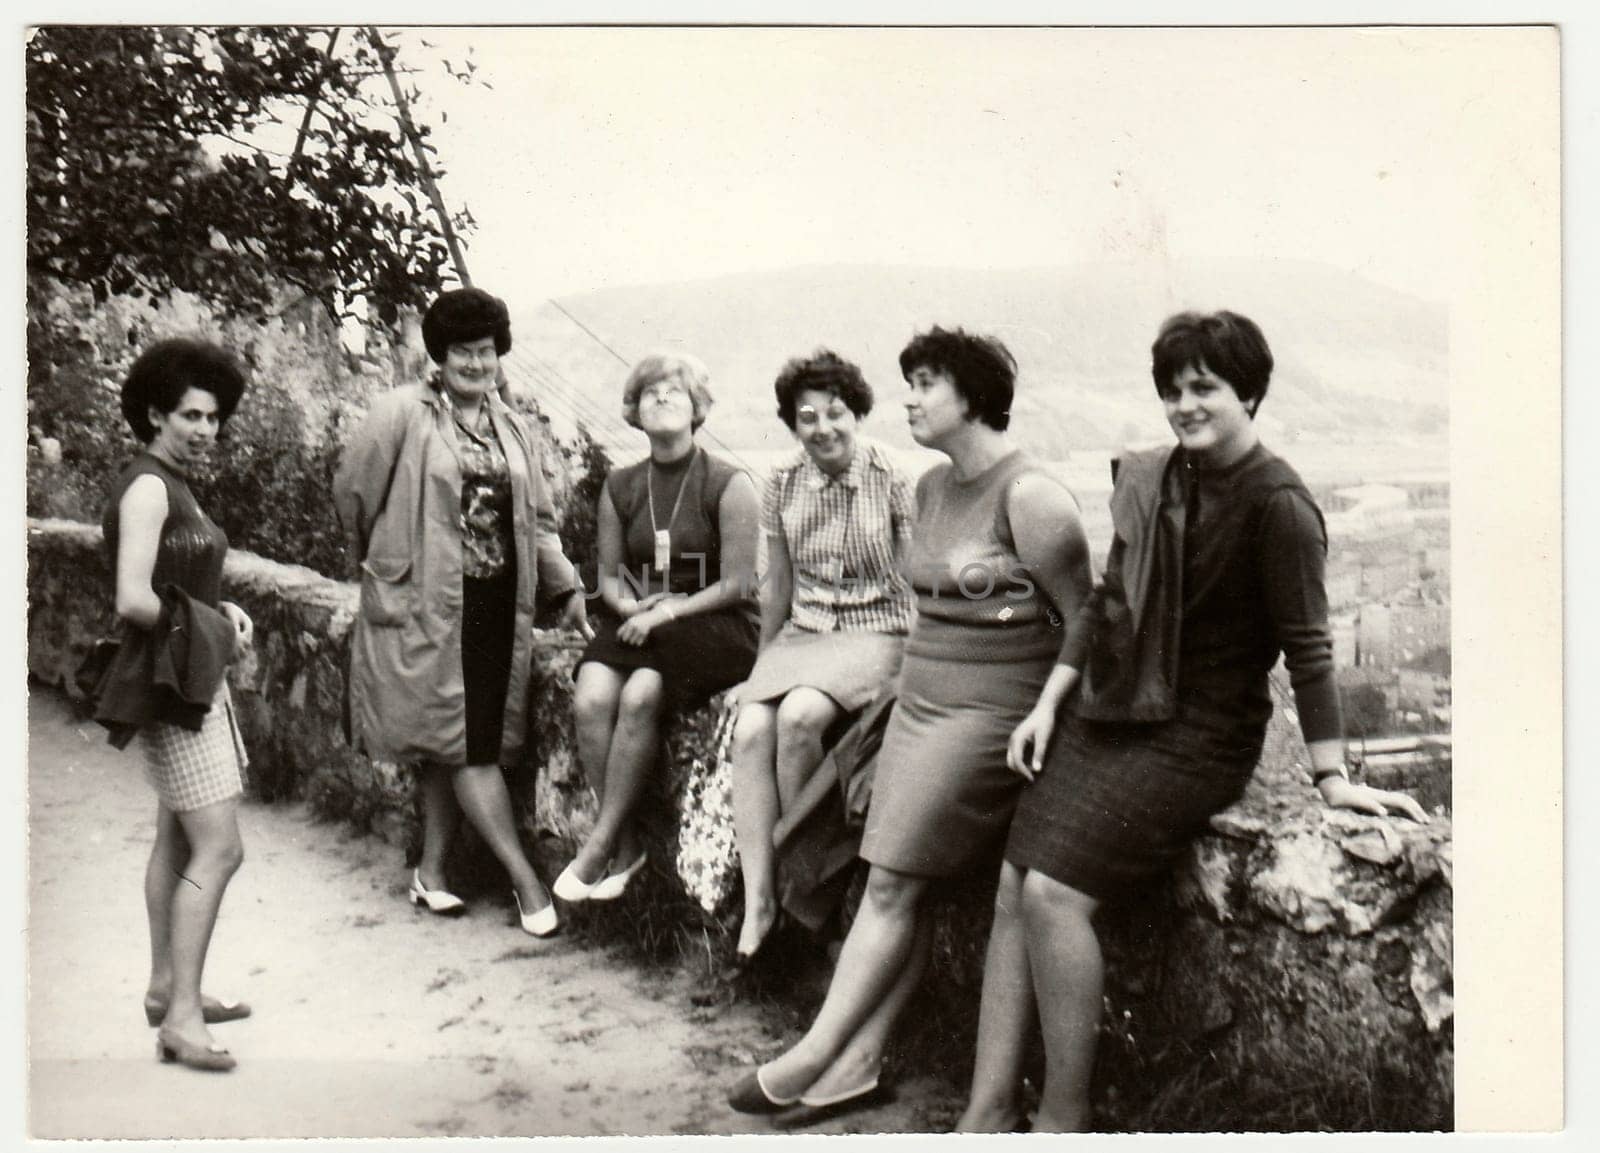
[(845, 536), (488, 540)]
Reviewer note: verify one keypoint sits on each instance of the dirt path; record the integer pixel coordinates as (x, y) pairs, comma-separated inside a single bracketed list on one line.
[(371, 1020)]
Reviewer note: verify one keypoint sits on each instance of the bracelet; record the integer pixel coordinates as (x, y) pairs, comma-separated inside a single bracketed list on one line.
[(1320, 775)]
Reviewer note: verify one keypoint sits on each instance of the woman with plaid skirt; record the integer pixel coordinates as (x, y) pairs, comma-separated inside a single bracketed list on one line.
[(834, 610), (1154, 717), (167, 684)]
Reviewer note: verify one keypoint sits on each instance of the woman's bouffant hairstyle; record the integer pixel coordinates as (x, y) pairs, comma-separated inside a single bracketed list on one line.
[(825, 371), (464, 314), (662, 366), (982, 369), (1226, 344), (168, 369)]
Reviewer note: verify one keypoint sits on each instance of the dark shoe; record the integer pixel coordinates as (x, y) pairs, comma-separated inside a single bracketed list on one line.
[(742, 963), (208, 1058), (815, 1110), (215, 1012), (751, 1096)]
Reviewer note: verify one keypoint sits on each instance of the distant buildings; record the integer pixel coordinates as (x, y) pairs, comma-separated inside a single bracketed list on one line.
[(1392, 634), (1388, 584)]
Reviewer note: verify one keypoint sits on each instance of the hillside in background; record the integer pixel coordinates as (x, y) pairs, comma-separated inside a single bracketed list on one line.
[(1358, 364)]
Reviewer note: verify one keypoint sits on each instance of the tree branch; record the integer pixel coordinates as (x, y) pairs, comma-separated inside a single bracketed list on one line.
[(424, 170)]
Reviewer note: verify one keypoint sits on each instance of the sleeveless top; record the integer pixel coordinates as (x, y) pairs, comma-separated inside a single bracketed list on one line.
[(975, 599), (192, 546), (696, 558)]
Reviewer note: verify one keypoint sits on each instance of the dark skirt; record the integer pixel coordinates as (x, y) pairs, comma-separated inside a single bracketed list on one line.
[(697, 656), (941, 794), (1117, 804), (487, 637)]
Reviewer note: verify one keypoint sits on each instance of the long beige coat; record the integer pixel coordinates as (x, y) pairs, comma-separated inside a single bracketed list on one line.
[(398, 494)]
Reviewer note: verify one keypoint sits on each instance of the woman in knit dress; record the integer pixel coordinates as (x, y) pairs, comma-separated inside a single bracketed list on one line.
[(677, 544), (166, 556), (1216, 566), (834, 609), (444, 501), (998, 560)]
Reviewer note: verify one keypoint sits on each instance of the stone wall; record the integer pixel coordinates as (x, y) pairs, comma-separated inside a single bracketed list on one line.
[(1295, 973)]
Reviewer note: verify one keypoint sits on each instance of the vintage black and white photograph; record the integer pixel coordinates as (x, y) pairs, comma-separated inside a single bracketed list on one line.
[(674, 580)]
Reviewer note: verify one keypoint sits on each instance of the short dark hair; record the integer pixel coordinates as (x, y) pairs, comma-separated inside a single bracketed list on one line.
[(983, 370), (1226, 344), (826, 371), (168, 369), (465, 314)]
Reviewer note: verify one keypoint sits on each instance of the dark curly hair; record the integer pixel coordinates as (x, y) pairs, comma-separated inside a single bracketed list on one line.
[(826, 371), (1230, 346), (464, 314), (168, 369), (982, 369)]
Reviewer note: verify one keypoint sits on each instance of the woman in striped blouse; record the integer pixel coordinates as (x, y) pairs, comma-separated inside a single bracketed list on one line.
[(834, 609)]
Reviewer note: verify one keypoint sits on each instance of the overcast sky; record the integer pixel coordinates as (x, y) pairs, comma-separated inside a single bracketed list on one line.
[(626, 156)]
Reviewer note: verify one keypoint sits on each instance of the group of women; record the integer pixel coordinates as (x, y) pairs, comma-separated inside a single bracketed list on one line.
[(1085, 731)]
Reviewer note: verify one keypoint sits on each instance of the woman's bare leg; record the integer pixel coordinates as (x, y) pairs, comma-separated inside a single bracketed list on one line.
[(595, 697), (1068, 980), (216, 852), (634, 744), (876, 952), (861, 1059), (439, 813), (1005, 1017), (755, 813), (168, 858), (481, 791), (803, 719)]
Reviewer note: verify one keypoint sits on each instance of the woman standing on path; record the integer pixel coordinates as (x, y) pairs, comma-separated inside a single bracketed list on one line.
[(1215, 568), (677, 544), (167, 682), (997, 560), (834, 609), (442, 496)]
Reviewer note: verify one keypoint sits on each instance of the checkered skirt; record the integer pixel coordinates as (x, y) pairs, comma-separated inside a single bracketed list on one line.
[(190, 770), (1117, 804)]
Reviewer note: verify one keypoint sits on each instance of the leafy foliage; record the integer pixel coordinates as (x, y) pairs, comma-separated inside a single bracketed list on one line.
[(225, 162), (268, 483)]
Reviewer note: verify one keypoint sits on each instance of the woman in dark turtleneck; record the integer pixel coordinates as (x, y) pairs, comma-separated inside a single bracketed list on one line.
[(1215, 568), (677, 544)]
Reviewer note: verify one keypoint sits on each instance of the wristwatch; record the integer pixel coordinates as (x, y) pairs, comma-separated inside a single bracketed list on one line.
[(1320, 775)]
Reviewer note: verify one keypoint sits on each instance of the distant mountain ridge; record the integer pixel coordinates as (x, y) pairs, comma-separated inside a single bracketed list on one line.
[(1356, 361)]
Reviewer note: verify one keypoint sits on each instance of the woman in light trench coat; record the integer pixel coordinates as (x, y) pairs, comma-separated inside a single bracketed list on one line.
[(441, 494)]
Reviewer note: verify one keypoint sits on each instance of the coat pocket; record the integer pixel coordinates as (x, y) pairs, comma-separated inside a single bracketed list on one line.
[(387, 595)]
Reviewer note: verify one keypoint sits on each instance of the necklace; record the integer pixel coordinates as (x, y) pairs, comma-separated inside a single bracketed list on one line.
[(663, 536)]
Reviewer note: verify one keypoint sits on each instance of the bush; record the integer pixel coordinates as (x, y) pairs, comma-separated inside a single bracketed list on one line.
[(271, 490)]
